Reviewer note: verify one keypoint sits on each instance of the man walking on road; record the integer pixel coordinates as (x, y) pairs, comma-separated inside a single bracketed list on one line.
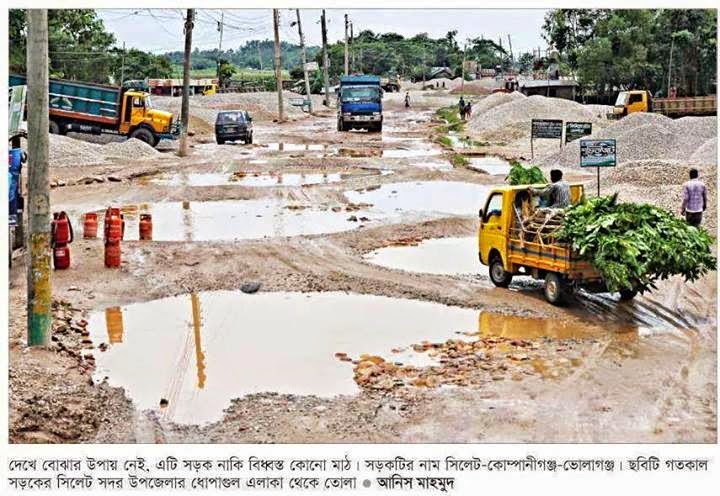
[(407, 99), (694, 199), (555, 195), (461, 108)]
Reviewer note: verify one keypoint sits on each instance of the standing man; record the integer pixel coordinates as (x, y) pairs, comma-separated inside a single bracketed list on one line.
[(555, 195), (694, 199), (407, 99), (461, 108), (468, 110)]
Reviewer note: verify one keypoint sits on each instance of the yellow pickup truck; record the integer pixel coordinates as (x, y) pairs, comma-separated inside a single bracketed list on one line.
[(508, 249)]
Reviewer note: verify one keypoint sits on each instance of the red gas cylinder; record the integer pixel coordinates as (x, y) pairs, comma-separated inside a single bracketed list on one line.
[(61, 229), (114, 228), (90, 226), (112, 255), (61, 257), (146, 226)]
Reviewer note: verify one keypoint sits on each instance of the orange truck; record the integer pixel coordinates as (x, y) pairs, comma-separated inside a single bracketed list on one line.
[(507, 250)]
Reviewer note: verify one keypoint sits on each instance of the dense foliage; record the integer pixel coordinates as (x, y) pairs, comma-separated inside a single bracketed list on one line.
[(525, 175), (626, 49), (634, 245), (80, 48)]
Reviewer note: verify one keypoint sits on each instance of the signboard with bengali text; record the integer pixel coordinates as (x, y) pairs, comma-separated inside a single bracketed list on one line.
[(547, 128), (577, 130), (598, 153)]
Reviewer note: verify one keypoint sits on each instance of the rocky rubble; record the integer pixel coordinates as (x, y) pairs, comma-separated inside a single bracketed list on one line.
[(68, 152)]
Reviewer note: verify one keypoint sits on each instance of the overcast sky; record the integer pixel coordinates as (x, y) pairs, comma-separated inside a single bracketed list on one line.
[(160, 30)]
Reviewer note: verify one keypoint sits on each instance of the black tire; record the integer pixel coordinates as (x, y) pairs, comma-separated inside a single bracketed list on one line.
[(498, 275), (628, 294), (249, 140), (340, 126), (555, 288), (378, 128), (145, 135), (220, 141), (55, 128)]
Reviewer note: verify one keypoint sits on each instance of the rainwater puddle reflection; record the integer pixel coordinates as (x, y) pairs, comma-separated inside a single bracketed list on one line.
[(491, 165), (451, 256), (234, 219), (447, 197), (199, 351)]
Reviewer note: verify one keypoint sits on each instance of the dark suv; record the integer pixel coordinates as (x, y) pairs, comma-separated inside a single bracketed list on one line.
[(233, 125)]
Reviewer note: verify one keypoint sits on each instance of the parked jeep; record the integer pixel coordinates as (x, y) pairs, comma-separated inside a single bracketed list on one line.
[(233, 125)]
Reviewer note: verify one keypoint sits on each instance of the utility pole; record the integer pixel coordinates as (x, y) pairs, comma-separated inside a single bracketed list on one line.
[(352, 48), (39, 289), (323, 26), (304, 59), (185, 106), (122, 66), (512, 57), (259, 55), (672, 45), (221, 25), (347, 52), (462, 82), (278, 68)]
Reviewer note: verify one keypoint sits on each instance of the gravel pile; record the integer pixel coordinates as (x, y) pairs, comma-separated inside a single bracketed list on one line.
[(647, 136), (522, 110), (477, 87), (494, 100), (261, 105), (68, 152), (706, 154)]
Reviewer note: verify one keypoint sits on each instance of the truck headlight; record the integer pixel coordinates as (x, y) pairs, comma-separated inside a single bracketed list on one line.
[(346, 114), (376, 113)]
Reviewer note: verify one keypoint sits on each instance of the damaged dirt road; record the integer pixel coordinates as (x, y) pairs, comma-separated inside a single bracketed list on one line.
[(179, 346)]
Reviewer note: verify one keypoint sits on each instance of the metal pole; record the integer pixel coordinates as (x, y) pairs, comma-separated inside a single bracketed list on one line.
[(278, 61), (39, 289), (598, 180), (259, 55), (352, 50), (304, 59), (325, 59), (185, 106)]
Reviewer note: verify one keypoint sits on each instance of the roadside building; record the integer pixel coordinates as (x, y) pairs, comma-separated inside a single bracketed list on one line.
[(558, 88)]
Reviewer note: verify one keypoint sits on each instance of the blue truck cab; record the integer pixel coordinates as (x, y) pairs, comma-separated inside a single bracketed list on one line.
[(360, 103)]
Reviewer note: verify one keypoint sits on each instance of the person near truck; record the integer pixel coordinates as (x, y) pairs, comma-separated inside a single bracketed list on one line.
[(694, 199), (556, 194), (461, 108)]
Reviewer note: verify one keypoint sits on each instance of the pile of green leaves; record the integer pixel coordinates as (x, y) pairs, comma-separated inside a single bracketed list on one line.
[(525, 175), (633, 245)]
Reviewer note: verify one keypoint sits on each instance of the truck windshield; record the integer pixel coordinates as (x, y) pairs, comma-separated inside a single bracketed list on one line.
[(361, 94), (148, 102), (621, 99)]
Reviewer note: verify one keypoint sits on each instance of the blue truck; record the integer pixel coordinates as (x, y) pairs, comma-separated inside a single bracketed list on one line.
[(360, 103), (96, 108)]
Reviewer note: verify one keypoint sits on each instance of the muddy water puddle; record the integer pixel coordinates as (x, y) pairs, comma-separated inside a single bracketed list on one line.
[(295, 147), (447, 197), (450, 256), (200, 351), (245, 179), (491, 165), (235, 219)]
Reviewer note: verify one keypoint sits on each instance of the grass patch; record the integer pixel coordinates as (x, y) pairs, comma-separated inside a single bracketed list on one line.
[(451, 116), (444, 141), (459, 160)]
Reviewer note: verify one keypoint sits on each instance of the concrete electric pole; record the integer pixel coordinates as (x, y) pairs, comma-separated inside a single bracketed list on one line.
[(185, 106), (278, 67), (347, 52), (304, 59), (39, 289), (221, 25), (326, 80)]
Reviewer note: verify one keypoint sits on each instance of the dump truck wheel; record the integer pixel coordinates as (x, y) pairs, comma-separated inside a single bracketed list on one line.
[(627, 294), (144, 135), (498, 275), (220, 141), (54, 127), (555, 290)]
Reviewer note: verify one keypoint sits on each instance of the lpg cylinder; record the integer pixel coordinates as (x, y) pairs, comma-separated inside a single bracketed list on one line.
[(61, 229), (90, 226), (114, 225), (145, 227), (61, 257)]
